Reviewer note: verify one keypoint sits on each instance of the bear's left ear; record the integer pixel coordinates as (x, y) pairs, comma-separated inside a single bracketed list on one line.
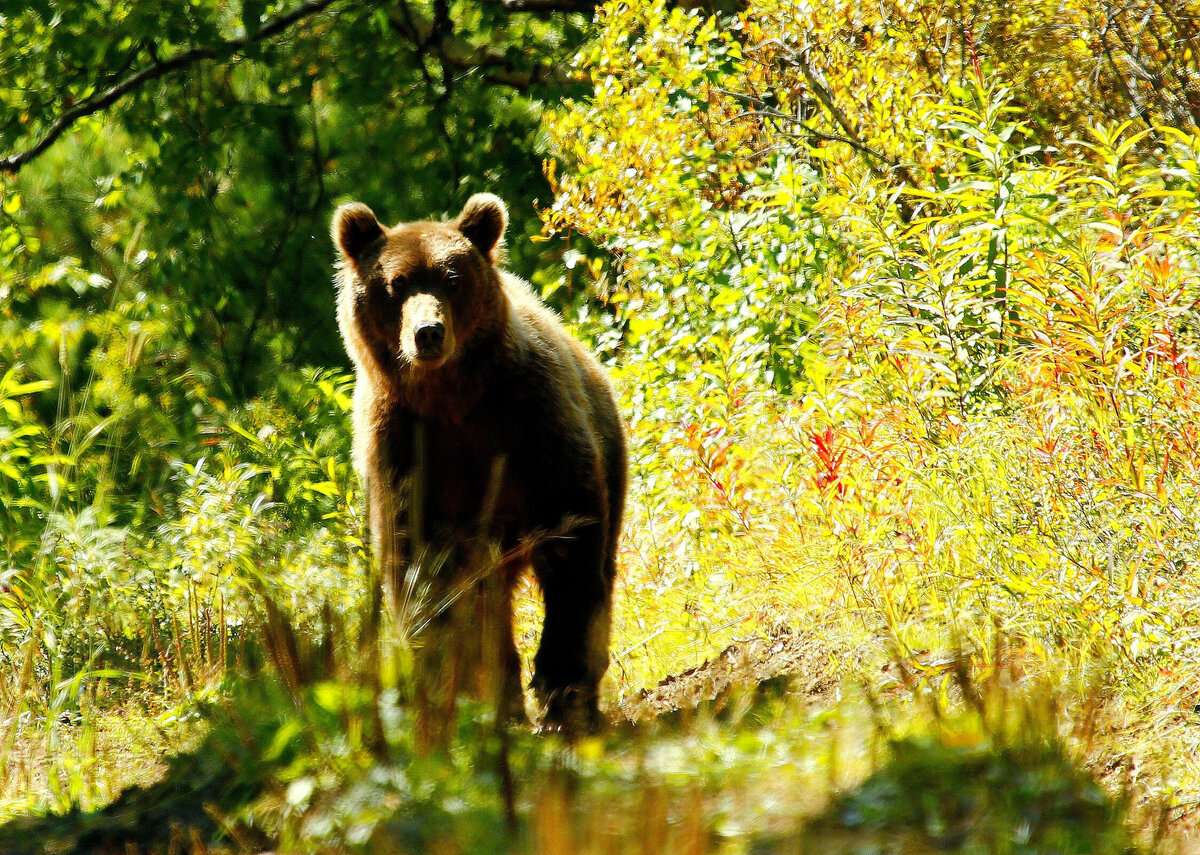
[(483, 220), (355, 229)]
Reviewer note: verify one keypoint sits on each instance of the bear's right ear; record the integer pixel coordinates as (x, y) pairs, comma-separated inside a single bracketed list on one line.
[(354, 229), (483, 220)]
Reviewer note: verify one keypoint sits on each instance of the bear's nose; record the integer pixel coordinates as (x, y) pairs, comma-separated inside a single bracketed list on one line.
[(429, 338)]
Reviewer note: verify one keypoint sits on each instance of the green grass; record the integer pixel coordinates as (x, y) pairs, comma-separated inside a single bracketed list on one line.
[(323, 753)]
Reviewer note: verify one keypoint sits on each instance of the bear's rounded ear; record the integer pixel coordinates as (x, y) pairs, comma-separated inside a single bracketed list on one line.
[(354, 229), (483, 220)]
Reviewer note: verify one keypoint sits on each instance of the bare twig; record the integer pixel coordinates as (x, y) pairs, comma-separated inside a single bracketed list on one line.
[(826, 98), (876, 160), (159, 68)]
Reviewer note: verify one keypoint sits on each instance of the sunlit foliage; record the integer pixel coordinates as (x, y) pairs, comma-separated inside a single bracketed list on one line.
[(902, 302), (920, 341)]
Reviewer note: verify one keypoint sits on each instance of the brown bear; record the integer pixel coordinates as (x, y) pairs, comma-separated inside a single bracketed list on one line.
[(477, 417)]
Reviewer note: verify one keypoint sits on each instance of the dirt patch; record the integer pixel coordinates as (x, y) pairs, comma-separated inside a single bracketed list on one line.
[(792, 662)]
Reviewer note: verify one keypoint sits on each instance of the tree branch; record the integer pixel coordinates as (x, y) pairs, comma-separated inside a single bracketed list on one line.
[(159, 68), (586, 7), (461, 55)]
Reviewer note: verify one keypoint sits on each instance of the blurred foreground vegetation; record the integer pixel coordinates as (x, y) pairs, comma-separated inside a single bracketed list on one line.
[(902, 302)]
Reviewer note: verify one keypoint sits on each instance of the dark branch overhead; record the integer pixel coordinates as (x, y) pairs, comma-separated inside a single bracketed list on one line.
[(435, 36), (585, 7), (460, 55), (159, 68)]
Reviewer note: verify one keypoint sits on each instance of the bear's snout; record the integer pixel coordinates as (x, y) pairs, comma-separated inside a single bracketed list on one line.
[(426, 333), (429, 338)]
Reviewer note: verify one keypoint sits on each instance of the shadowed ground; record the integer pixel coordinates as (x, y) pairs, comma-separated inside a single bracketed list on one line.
[(928, 796)]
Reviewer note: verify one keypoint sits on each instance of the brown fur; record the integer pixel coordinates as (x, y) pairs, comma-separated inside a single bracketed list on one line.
[(506, 391)]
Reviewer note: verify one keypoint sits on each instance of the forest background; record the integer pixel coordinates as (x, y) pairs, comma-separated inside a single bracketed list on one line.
[(901, 301)]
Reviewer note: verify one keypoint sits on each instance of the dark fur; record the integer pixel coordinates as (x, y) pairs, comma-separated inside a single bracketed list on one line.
[(509, 385)]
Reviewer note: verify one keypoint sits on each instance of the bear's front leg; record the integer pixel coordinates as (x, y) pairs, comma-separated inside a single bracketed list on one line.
[(573, 654), (384, 459), (463, 639)]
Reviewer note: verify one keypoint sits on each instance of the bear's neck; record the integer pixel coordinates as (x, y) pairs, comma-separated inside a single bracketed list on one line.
[(451, 392)]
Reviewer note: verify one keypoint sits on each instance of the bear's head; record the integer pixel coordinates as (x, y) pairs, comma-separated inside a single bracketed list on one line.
[(414, 297)]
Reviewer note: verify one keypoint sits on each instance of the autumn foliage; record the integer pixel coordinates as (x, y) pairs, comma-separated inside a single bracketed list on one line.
[(911, 311)]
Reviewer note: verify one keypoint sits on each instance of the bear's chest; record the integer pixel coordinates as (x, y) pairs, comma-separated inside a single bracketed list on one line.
[(463, 474)]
